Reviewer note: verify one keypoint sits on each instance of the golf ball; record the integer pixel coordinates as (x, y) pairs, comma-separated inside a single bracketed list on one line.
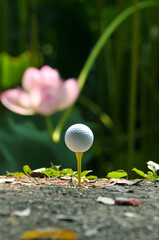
[(79, 138)]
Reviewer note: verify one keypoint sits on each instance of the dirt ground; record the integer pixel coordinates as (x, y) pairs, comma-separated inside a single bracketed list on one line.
[(40, 203)]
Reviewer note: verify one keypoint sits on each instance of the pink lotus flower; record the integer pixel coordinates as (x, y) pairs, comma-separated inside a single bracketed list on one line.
[(43, 91)]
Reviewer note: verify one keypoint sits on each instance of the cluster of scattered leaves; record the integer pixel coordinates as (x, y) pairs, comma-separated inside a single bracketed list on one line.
[(151, 175), (53, 171)]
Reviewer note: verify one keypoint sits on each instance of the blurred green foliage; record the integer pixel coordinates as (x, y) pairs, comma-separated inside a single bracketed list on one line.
[(12, 69), (122, 88)]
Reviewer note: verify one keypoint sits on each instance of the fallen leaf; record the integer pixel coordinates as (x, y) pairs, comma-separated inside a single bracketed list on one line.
[(134, 202), (7, 180), (115, 188), (24, 213), (12, 221), (49, 233), (65, 178), (16, 174), (127, 201), (23, 183), (106, 200), (95, 229), (37, 174), (129, 214), (118, 201), (85, 180), (60, 181), (67, 218), (123, 181), (39, 170)]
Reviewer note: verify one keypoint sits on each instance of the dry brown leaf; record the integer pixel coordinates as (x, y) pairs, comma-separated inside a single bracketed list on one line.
[(13, 221), (125, 181), (7, 180), (37, 174)]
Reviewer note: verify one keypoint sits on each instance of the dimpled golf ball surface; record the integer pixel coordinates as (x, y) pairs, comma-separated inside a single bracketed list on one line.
[(79, 138)]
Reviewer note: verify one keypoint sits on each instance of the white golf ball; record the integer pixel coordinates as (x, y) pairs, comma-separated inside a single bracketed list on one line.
[(79, 138)]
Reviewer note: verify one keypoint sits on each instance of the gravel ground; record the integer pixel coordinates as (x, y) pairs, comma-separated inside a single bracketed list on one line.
[(50, 204)]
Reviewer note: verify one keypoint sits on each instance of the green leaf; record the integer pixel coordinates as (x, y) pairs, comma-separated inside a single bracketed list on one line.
[(48, 172), (56, 174), (84, 173), (16, 174), (91, 177), (55, 167), (151, 175), (67, 171), (154, 177), (117, 174), (27, 170), (76, 175), (139, 172), (12, 69)]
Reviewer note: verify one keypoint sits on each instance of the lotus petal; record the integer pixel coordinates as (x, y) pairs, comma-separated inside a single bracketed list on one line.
[(31, 78), (44, 92), (17, 101), (45, 100), (70, 93), (50, 77), (45, 76)]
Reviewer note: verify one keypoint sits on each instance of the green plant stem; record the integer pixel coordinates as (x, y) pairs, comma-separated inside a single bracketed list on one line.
[(57, 132), (49, 125), (34, 34), (4, 39), (133, 89), (107, 33), (22, 14), (101, 64), (104, 118), (119, 66), (97, 48), (154, 100)]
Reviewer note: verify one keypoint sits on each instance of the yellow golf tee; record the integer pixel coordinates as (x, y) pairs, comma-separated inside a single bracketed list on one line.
[(79, 157)]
